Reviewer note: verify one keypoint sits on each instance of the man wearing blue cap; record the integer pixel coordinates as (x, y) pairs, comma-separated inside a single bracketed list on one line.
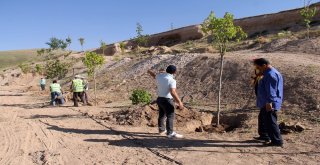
[(167, 95)]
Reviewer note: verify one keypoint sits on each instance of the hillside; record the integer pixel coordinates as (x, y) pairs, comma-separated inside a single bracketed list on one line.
[(16, 57)]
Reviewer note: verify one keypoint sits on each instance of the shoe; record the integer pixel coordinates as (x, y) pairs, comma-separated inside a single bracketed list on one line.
[(163, 133), (174, 135), (266, 139), (271, 144)]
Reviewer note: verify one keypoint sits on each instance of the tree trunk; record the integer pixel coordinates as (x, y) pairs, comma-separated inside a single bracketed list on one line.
[(95, 88), (220, 87)]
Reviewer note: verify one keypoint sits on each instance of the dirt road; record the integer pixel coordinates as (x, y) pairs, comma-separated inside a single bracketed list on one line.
[(33, 133)]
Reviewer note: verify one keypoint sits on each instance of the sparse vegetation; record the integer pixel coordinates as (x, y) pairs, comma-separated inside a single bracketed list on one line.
[(116, 58), (25, 68), (284, 34), (39, 69), (139, 96), (223, 31), (16, 57)]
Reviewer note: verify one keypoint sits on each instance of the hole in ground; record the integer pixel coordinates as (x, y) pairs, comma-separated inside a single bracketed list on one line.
[(228, 123)]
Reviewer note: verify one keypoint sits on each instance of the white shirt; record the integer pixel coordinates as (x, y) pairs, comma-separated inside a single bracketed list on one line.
[(165, 82)]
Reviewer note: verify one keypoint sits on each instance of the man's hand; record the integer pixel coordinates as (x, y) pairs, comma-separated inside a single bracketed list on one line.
[(180, 106), (174, 94), (269, 107)]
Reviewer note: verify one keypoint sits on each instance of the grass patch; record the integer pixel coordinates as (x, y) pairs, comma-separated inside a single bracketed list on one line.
[(16, 57)]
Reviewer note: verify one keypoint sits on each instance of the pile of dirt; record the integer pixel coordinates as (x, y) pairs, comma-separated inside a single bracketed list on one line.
[(276, 45), (287, 128), (295, 45), (187, 119)]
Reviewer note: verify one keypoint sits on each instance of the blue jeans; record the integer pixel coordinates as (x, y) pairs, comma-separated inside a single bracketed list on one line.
[(54, 98)]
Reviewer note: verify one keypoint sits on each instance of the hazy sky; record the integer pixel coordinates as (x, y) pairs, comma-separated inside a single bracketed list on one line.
[(29, 24)]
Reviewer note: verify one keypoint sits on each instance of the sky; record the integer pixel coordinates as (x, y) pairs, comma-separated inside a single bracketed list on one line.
[(27, 24)]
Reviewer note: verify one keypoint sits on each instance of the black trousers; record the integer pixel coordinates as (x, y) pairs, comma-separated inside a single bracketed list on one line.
[(75, 98), (262, 127), (43, 87), (271, 124), (166, 110)]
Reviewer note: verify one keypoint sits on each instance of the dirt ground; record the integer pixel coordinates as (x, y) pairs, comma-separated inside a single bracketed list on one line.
[(33, 133)]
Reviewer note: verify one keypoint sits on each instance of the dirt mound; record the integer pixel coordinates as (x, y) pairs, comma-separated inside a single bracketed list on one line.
[(187, 120), (276, 45), (310, 46)]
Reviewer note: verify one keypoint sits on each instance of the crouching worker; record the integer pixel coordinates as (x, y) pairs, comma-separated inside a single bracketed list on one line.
[(56, 93), (77, 87)]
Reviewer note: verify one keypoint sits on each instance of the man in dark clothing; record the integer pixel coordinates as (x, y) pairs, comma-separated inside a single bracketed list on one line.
[(262, 130), (269, 99)]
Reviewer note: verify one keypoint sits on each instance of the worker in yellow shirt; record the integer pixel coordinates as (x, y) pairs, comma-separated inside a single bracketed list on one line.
[(56, 93), (77, 88)]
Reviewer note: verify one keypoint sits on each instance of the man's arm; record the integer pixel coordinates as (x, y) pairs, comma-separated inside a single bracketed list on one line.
[(271, 91), (175, 95), (152, 74)]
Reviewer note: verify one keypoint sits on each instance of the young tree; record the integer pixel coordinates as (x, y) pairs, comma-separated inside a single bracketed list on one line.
[(223, 31), (122, 47), (139, 29), (141, 39), (103, 46), (308, 13), (81, 40), (68, 41), (92, 61), (56, 44)]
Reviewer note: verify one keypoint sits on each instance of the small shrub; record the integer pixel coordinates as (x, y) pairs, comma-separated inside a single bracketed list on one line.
[(140, 96), (56, 69), (284, 34), (189, 44), (25, 68), (122, 47), (39, 69), (116, 58), (262, 40)]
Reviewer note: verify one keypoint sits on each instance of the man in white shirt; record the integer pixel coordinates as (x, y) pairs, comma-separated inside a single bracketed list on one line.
[(167, 95)]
